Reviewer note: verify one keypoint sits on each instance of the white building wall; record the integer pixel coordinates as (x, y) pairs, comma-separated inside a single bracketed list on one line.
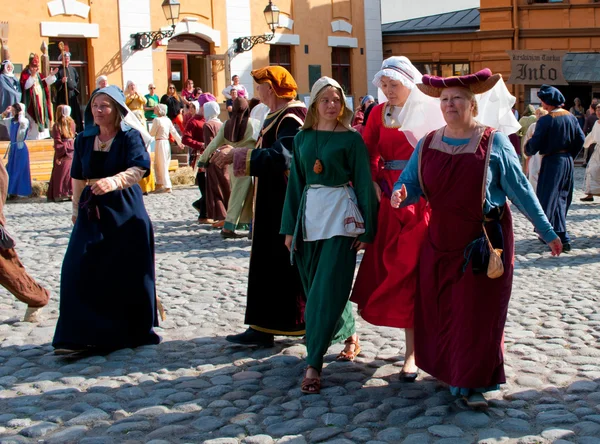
[(134, 16), (373, 46), (239, 25), (397, 10)]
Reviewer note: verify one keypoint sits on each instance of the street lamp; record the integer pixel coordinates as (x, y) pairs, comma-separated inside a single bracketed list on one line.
[(244, 44), (144, 40)]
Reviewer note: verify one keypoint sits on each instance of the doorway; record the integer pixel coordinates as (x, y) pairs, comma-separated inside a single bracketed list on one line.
[(188, 57), (79, 60)]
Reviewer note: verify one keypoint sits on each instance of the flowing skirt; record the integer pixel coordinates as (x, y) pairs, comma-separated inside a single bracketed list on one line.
[(19, 175), (218, 191), (60, 186), (239, 210), (592, 174), (162, 159)]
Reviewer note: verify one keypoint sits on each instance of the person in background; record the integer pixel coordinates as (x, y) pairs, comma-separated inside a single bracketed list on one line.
[(532, 167), (229, 102), (18, 169), (188, 92), (238, 132), (68, 78), (235, 84), (107, 287), (525, 121), (558, 138), (590, 121), (135, 101), (196, 94), (189, 112), (592, 173), (328, 156), (36, 97), (359, 115), (193, 137), (60, 187), (13, 276), (174, 107), (10, 90), (151, 101), (360, 128), (591, 110), (160, 130), (578, 111), (466, 171), (275, 298), (101, 82), (218, 187), (515, 112)]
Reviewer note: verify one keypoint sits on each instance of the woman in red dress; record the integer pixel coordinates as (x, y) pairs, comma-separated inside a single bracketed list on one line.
[(386, 283)]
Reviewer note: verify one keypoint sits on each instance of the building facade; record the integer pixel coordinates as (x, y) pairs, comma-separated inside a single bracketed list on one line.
[(469, 40), (339, 38)]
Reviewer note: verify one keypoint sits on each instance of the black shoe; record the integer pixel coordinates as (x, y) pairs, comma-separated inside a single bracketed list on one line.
[(252, 337), (566, 247), (197, 206), (408, 377), (230, 235), (587, 199)]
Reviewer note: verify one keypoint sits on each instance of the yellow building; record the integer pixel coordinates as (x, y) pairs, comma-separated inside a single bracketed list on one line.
[(339, 38)]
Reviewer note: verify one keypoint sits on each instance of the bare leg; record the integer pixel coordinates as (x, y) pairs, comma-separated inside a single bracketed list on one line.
[(409, 356)]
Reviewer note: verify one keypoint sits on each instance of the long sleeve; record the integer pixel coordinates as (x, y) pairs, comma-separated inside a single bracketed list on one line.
[(29, 82), (59, 145), (505, 172), (363, 187), (173, 132), (371, 138), (295, 189), (540, 136), (154, 128), (593, 136), (22, 132), (218, 140), (410, 178), (277, 157), (190, 136), (50, 80)]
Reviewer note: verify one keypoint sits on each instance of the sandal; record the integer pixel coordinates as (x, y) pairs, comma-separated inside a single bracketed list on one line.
[(476, 401), (349, 355), (310, 386)]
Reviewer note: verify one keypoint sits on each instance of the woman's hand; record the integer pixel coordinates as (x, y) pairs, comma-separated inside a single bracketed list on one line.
[(398, 197), (556, 246), (103, 186), (377, 191), (358, 245), (73, 219), (288, 242)]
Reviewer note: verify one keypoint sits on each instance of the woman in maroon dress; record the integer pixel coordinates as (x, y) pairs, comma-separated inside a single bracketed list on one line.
[(466, 171), (63, 133)]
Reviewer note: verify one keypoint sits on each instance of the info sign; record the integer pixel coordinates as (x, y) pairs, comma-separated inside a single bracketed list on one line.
[(536, 67)]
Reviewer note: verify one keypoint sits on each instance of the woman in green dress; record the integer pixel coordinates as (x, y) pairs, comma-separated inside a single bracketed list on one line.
[(329, 214)]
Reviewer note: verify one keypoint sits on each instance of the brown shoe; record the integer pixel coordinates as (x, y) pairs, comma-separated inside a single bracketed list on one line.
[(310, 386), (219, 224), (347, 354)]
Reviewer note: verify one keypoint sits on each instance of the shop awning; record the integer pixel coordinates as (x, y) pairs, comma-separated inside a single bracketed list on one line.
[(582, 67)]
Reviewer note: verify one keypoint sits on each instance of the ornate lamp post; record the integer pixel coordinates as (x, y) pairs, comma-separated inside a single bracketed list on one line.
[(146, 39), (244, 44)]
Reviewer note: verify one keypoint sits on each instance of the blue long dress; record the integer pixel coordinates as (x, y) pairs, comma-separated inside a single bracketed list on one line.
[(107, 291), (19, 175)]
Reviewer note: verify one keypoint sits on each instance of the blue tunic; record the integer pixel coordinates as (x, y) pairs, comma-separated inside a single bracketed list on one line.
[(19, 175), (107, 291), (504, 179), (559, 139)]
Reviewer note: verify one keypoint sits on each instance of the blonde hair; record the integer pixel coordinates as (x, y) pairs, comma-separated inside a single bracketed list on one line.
[(314, 111), (540, 112), (115, 107), (471, 97), (64, 123)]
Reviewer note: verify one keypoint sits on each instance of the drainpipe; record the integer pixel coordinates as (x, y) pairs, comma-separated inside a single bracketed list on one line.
[(519, 89)]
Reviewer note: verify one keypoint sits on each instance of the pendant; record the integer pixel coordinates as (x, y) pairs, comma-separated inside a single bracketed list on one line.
[(318, 167)]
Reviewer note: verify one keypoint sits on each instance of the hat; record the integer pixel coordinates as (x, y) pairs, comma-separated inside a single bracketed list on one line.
[(478, 83), (279, 78), (211, 110), (366, 99), (34, 60), (67, 54), (206, 97), (398, 68), (551, 96), (346, 117)]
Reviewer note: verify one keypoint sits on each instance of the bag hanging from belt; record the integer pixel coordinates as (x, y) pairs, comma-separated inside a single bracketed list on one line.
[(495, 267), (354, 223), (483, 255)]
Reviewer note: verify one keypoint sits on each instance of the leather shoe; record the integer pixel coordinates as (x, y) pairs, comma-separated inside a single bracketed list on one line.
[(566, 247), (408, 377), (231, 235), (252, 337)]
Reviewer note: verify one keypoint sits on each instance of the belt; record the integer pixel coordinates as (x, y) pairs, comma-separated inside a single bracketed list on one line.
[(161, 139), (395, 164), (495, 214), (90, 182)]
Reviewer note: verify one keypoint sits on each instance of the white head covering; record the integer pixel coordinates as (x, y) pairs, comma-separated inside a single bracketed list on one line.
[(398, 68), (346, 117), (99, 79), (66, 110), (162, 109), (197, 106), (211, 111)]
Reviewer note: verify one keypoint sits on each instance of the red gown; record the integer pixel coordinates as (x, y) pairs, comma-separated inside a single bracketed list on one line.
[(387, 278)]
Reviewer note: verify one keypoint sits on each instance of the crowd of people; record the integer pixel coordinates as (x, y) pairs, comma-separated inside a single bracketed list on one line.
[(420, 181)]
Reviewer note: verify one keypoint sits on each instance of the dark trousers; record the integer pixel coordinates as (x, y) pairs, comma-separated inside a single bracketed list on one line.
[(200, 204)]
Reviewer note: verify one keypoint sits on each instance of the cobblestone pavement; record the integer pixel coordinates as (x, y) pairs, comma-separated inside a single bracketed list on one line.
[(195, 387)]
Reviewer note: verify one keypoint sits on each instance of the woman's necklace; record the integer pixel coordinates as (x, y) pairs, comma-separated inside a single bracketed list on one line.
[(318, 167), (103, 146)]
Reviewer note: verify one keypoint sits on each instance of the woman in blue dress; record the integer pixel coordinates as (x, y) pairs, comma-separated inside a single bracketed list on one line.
[(19, 175), (107, 294)]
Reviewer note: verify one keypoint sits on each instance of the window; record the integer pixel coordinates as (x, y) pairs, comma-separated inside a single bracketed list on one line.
[(281, 55), (79, 61), (340, 68), (444, 69)]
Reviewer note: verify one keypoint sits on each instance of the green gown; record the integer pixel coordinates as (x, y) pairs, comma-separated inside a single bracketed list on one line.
[(326, 266)]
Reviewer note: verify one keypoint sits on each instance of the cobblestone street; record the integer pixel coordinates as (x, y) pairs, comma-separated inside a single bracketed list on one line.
[(195, 387)]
